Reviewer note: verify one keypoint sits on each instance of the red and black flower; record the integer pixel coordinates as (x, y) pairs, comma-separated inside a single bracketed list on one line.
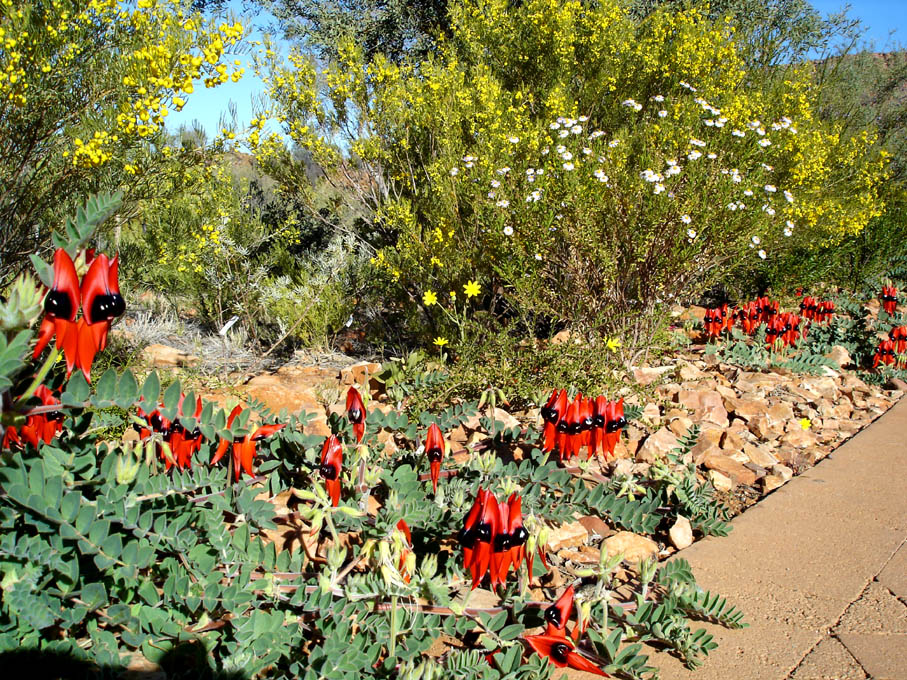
[(355, 411), (331, 467), (552, 413), (244, 448), (885, 354), (889, 297), (101, 304), (61, 306), (40, 427), (434, 449), (493, 538), (562, 653), (898, 335)]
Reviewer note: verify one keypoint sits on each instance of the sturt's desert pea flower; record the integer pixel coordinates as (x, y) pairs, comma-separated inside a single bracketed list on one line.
[(331, 467), (493, 538), (403, 527), (41, 427), (434, 449), (714, 321), (885, 354), (510, 543), (826, 310), (181, 443), (244, 448), (562, 653), (101, 304), (558, 614), (552, 413), (355, 411), (898, 335), (61, 306), (808, 307), (889, 297), (614, 424)]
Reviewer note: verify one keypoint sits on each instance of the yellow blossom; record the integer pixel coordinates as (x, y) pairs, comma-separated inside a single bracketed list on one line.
[(429, 298), (440, 342), (472, 289), (805, 423)]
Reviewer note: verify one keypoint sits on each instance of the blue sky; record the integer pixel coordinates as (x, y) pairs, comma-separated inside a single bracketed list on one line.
[(880, 18)]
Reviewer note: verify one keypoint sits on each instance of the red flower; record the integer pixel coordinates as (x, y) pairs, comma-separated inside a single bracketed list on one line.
[(101, 304), (889, 297), (898, 335), (477, 536), (809, 307), (331, 467), (614, 424), (243, 449), (355, 411), (183, 444), (884, 353), (41, 427), (61, 305), (557, 615), (469, 532), (714, 322), (402, 526), (561, 652), (510, 543), (552, 413), (434, 449)]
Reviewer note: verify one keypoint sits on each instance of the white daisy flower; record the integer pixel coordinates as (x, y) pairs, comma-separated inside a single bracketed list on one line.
[(587, 151), (568, 166), (770, 188), (492, 194), (503, 171), (600, 175), (508, 230), (495, 183), (720, 122), (687, 85), (583, 119), (691, 234), (629, 103), (662, 113), (767, 168), (789, 224), (788, 231), (576, 129), (732, 207), (613, 143), (686, 219), (709, 122), (503, 203), (538, 257), (738, 133), (534, 196), (697, 142), (554, 126), (764, 142), (761, 254), (530, 171), (658, 98), (788, 196), (673, 170), (454, 171), (713, 156), (747, 192), (694, 154), (567, 156), (754, 124), (658, 188), (563, 133), (469, 164), (514, 140), (756, 240)]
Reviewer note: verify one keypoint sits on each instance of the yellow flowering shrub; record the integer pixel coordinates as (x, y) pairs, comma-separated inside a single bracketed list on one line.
[(85, 89), (583, 166)]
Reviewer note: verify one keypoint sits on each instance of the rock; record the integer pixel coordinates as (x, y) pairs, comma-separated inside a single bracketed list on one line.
[(680, 425), (561, 338), (703, 449), (707, 406), (658, 445), (840, 356), (896, 384), (681, 534), (760, 455), (585, 555), (507, 420), (164, 356), (570, 535), (720, 481), (646, 375), (782, 471), (730, 468), (771, 482), (732, 441), (799, 438), (822, 386), (360, 373), (745, 408), (766, 428), (596, 526), (687, 371), (652, 413), (633, 547), (780, 412)]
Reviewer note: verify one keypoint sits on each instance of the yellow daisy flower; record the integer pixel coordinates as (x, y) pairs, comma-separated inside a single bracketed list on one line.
[(429, 298), (472, 289)]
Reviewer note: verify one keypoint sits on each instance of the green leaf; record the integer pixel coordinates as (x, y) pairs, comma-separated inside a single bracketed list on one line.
[(77, 390), (151, 390), (106, 386), (127, 391)]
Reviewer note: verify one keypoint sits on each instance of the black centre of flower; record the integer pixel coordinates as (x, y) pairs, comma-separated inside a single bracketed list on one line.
[(503, 542), (355, 415), (574, 428), (553, 616), (484, 532), (329, 471), (102, 308), (563, 426), (519, 537), (598, 421), (434, 455), (615, 425), (58, 303), (560, 651), (587, 423), (467, 537), (549, 415), (117, 305), (156, 421)]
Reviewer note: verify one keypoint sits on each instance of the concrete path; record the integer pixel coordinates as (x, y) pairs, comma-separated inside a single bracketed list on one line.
[(819, 568)]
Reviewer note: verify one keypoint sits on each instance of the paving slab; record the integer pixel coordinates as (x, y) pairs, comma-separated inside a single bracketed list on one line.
[(877, 611), (894, 575), (829, 660), (883, 657), (800, 557)]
